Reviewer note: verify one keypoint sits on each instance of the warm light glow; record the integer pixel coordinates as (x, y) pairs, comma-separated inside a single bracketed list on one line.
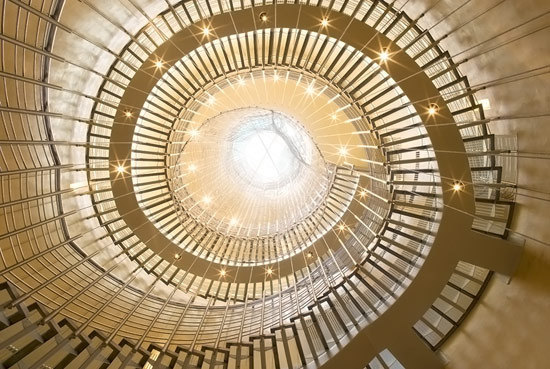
[(324, 22), (334, 116), (310, 90), (128, 114), (223, 272), (384, 55), (343, 151), (233, 222), (211, 100), (120, 169), (433, 109), (206, 31), (276, 77), (263, 17), (458, 186), (241, 81), (206, 199), (309, 255), (177, 256), (269, 271), (363, 193), (341, 227), (194, 132), (159, 64), (192, 168)]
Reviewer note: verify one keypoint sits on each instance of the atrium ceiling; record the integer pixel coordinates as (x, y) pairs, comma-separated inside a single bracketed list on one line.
[(236, 184)]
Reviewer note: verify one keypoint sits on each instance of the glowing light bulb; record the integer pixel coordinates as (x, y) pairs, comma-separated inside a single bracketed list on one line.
[(241, 81), (206, 31), (363, 193), (263, 17), (192, 168), (206, 199), (211, 100), (432, 109), (233, 222), (384, 55), (333, 116), (223, 272), (324, 22), (120, 169), (177, 256), (276, 77), (309, 255), (128, 114), (341, 227), (458, 186), (343, 151), (310, 90), (194, 132), (159, 64), (269, 271)]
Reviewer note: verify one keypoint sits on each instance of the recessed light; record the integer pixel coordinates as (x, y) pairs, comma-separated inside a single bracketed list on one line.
[(206, 31), (192, 168), (206, 199), (458, 186), (120, 169), (263, 16), (432, 109), (128, 114), (177, 256), (159, 64), (324, 22), (223, 272), (384, 55), (343, 151), (269, 271)]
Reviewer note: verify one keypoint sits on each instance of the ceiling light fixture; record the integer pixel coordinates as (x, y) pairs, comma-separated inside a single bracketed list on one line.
[(223, 272), (120, 169), (192, 168), (333, 116), (194, 132), (128, 114), (263, 16), (177, 256), (384, 55), (269, 271), (206, 199), (343, 151), (159, 64), (432, 109), (458, 186), (206, 31)]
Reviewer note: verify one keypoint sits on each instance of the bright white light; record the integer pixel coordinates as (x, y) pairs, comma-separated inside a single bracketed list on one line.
[(384, 55), (128, 114), (177, 256), (223, 272), (241, 81), (206, 31), (269, 271), (341, 227), (310, 89), (363, 193), (458, 186), (211, 100), (343, 151), (159, 64), (276, 77), (192, 168), (333, 116), (270, 150), (206, 199), (233, 222), (324, 22), (194, 132), (120, 169)]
